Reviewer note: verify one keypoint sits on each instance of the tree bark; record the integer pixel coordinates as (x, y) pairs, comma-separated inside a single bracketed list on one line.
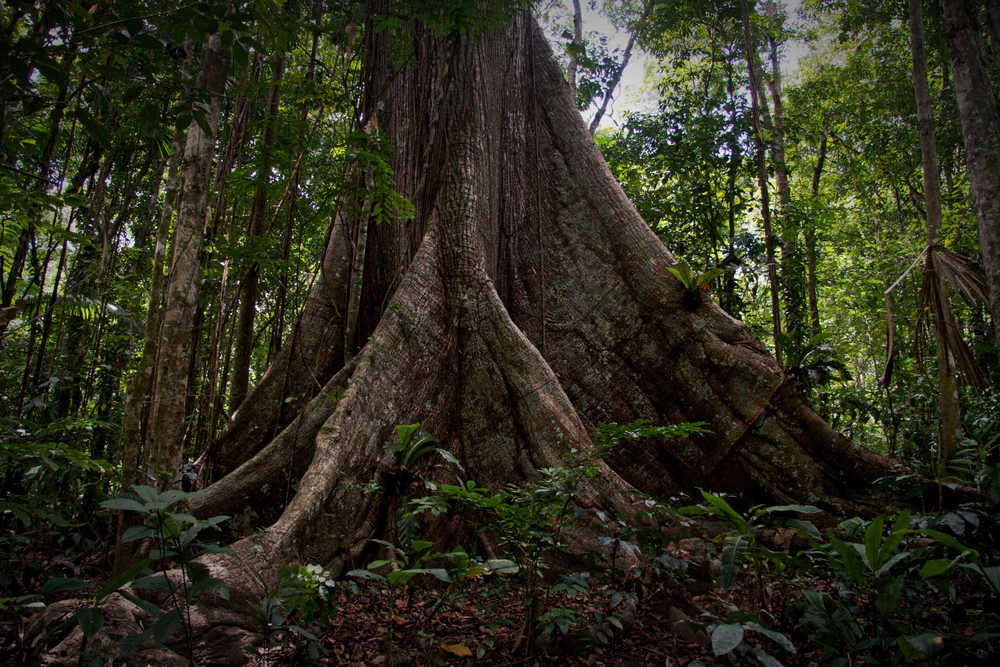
[(577, 44), (791, 263), (810, 238), (951, 424), (757, 101), (525, 303), (167, 421), (255, 234), (980, 115)]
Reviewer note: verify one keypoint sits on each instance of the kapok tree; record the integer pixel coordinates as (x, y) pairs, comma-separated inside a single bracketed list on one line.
[(524, 303)]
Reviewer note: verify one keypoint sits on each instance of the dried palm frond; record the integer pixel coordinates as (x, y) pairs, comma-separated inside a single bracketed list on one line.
[(963, 276)]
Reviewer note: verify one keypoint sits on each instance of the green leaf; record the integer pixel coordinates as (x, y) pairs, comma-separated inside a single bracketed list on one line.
[(90, 619), (888, 565), (166, 625), (376, 564), (139, 532), (123, 578), (145, 605), (806, 528), (719, 506), (775, 636), (873, 540), (992, 575), (849, 560), (500, 566), (732, 559), (726, 637), (889, 594), (934, 568), (365, 574), (420, 545), (801, 509), (404, 433), (61, 585), (125, 504), (766, 659)]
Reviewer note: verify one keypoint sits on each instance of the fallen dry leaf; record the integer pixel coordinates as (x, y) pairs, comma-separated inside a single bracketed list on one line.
[(460, 650)]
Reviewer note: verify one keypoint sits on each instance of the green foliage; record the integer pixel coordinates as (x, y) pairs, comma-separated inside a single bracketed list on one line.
[(412, 445), (173, 543), (741, 547)]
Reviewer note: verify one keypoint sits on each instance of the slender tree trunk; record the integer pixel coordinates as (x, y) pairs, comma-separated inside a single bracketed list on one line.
[(756, 102), (255, 237), (167, 420), (980, 114), (137, 396), (950, 429), (577, 44), (810, 239), (791, 262)]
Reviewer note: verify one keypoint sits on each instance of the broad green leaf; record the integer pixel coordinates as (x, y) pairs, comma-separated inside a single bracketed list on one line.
[(778, 638), (934, 568), (366, 574), (501, 566), (61, 585), (166, 626), (888, 596), (873, 542), (134, 533), (124, 504), (807, 528), (732, 559), (123, 578), (888, 565), (90, 619), (766, 659), (726, 637), (800, 509), (992, 575), (849, 559), (404, 433), (145, 605)]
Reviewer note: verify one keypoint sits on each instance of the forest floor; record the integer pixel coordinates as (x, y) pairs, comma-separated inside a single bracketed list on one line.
[(643, 611)]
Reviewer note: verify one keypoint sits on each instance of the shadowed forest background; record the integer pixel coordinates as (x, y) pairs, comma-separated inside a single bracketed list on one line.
[(325, 337)]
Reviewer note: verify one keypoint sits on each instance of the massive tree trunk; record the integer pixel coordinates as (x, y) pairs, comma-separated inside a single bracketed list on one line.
[(526, 302)]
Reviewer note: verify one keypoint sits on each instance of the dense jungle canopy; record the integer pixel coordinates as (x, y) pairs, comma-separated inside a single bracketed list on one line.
[(354, 283)]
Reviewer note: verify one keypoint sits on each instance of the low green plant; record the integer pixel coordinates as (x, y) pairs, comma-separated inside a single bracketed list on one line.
[(728, 635), (172, 537), (741, 548)]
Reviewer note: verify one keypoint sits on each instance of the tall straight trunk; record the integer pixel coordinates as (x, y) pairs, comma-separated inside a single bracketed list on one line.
[(577, 44), (791, 264), (167, 419), (810, 238), (255, 233), (980, 115), (950, 429), (136, 408), (756, 103)]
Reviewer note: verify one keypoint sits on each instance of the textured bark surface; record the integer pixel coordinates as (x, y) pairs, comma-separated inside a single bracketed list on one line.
[(980, 114), (165, 435), (525, 303)]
